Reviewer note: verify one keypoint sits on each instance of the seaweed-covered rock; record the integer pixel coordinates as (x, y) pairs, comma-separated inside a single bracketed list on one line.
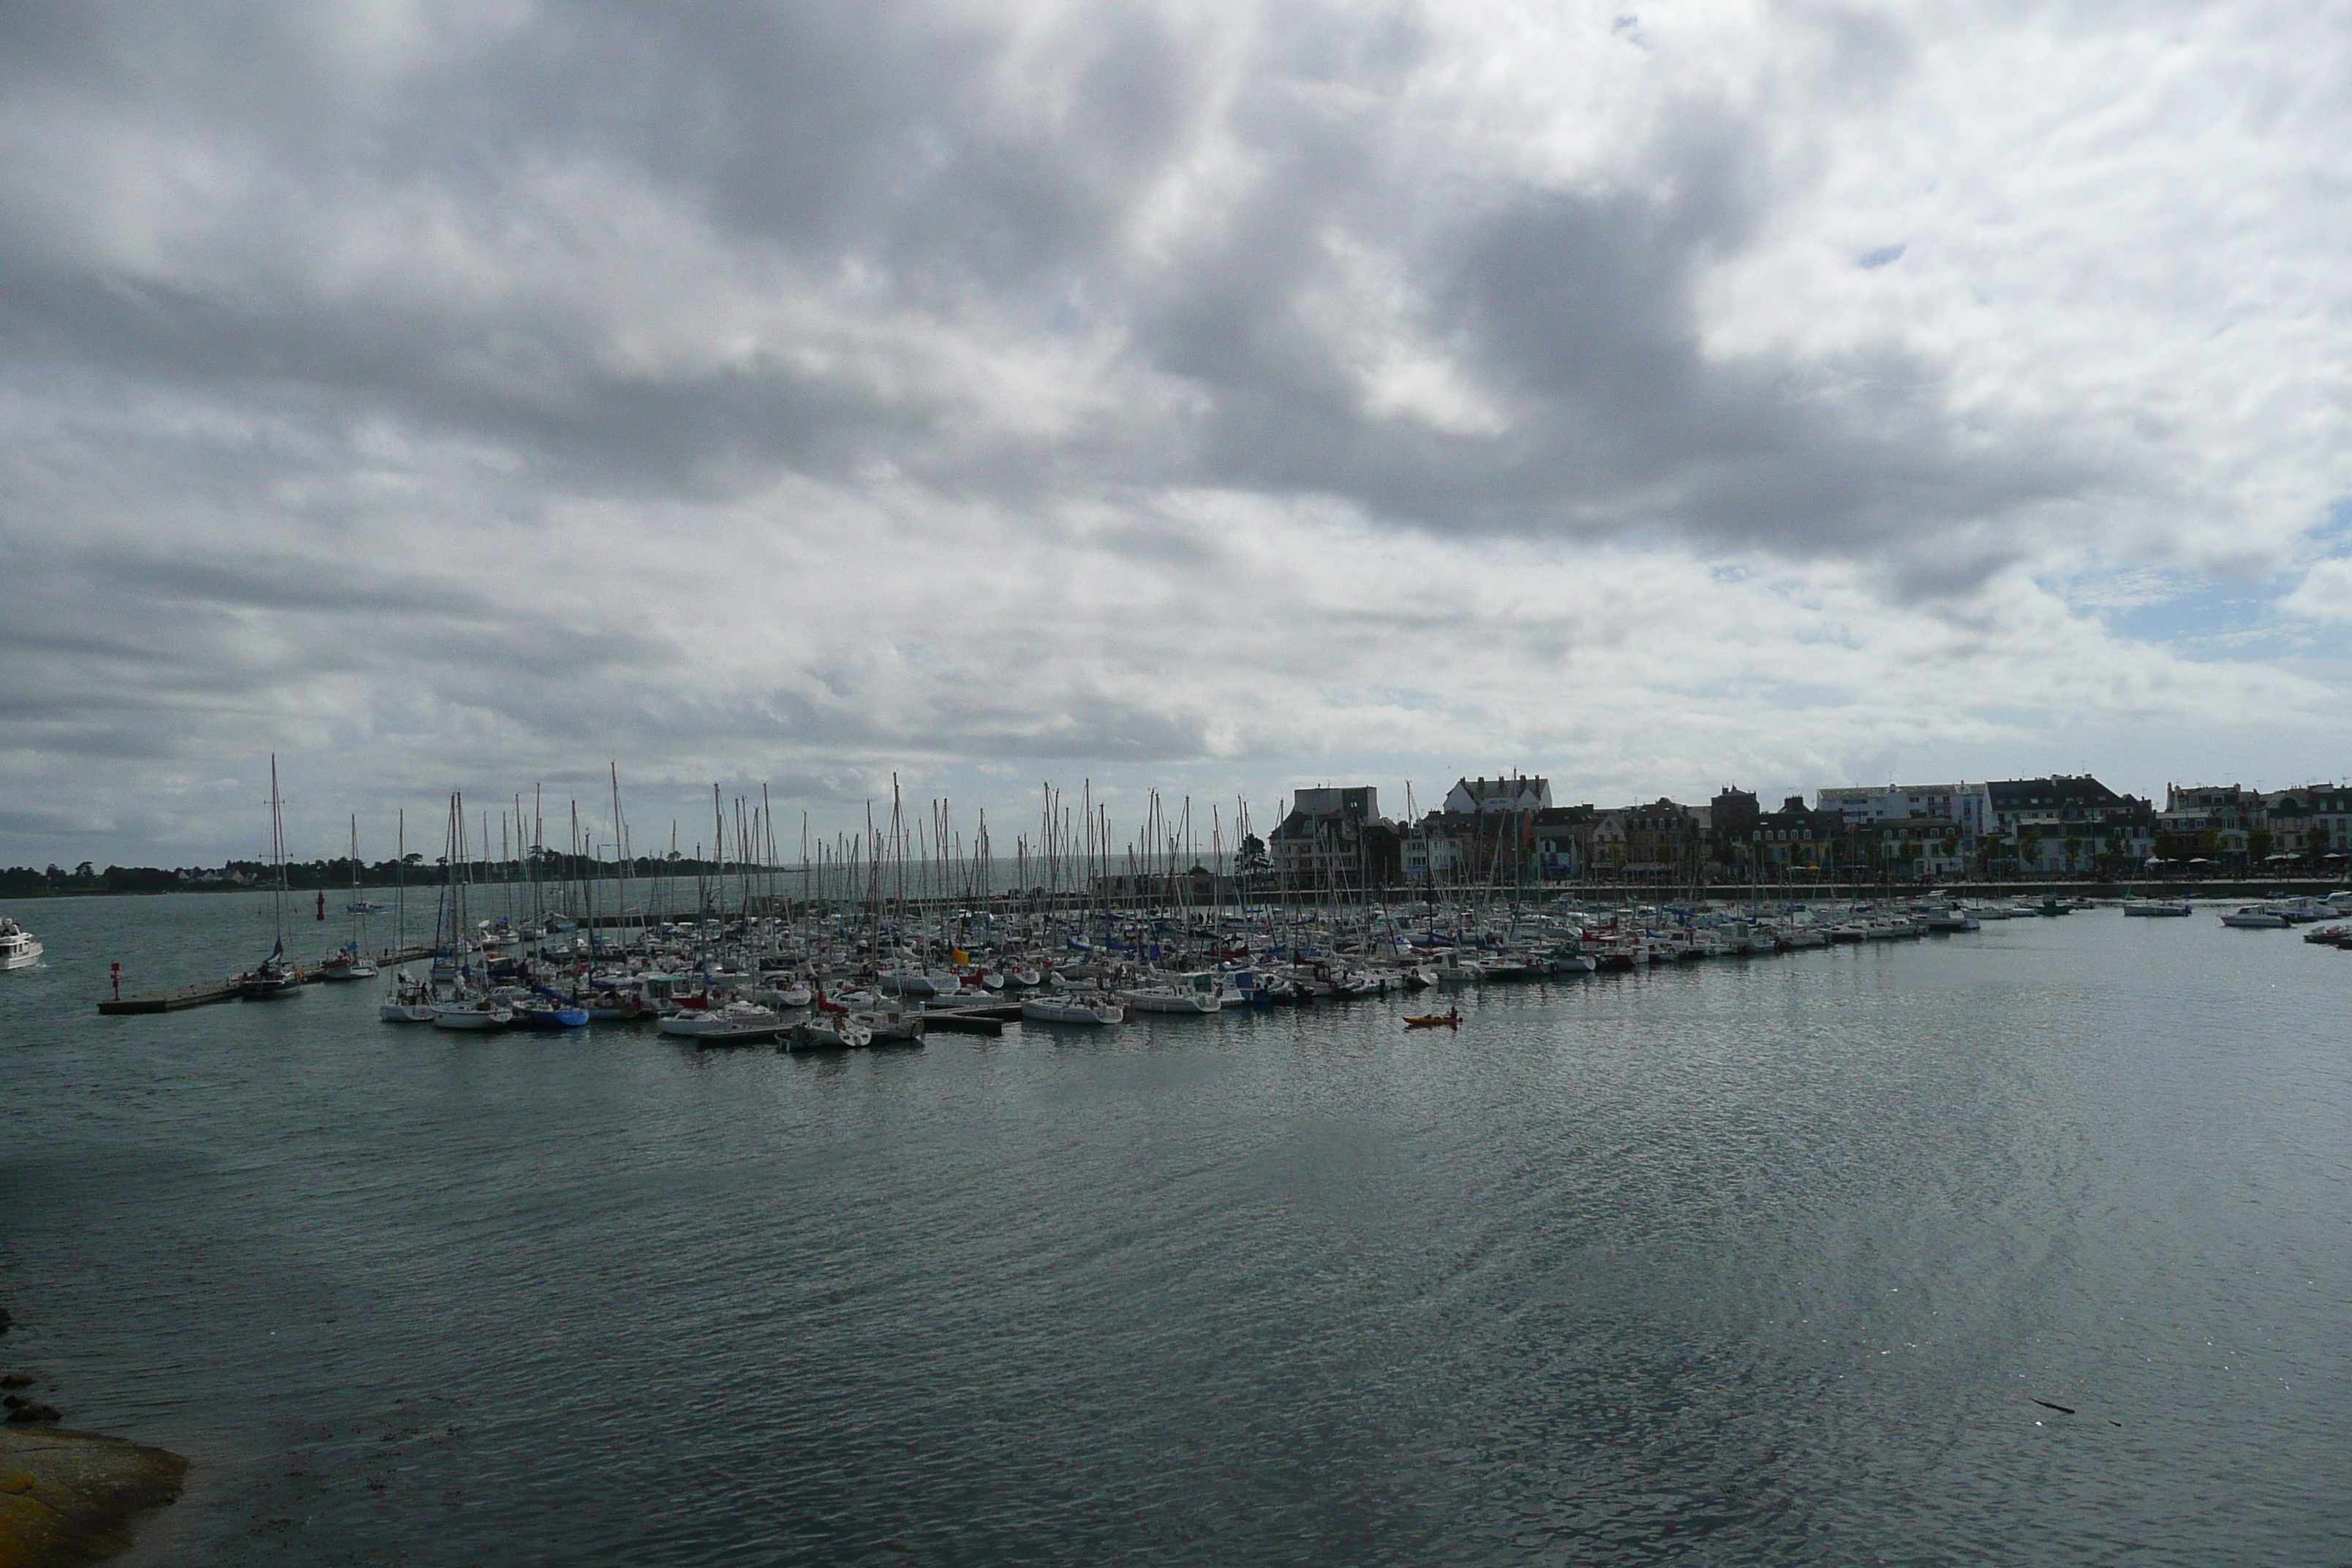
[(30, 1411), (69, 1497)]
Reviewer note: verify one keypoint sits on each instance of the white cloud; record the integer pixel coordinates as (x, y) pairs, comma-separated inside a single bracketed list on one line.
[(2324, 594), (1236, 396)]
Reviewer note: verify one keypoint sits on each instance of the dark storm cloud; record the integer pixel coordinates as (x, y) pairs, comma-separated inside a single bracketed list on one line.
[(966, 170)]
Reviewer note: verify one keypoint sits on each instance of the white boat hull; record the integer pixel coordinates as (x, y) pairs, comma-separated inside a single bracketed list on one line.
[(1170, 1002), (1070, 1010), (723, 1026), (831, 1034)]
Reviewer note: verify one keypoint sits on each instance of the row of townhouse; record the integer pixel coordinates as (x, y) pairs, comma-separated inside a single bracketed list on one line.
[(1510, 829), (2231, 825), (2058, 826)]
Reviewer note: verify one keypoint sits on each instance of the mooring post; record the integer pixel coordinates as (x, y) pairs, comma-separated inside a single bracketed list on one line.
[(115, 971)]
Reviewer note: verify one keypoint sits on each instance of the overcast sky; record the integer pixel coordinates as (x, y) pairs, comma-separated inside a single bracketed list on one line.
[(1218, 396)]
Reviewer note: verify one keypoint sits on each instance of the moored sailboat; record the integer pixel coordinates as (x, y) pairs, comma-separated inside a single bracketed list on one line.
[(273, 978)]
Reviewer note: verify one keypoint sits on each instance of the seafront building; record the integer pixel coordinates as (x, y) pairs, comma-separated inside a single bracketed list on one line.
[(1508, 829)]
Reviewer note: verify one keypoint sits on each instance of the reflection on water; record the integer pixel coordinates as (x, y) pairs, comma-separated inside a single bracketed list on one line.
[(1758, 1262)]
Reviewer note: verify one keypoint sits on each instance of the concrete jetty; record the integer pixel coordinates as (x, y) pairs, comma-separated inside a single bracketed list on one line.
[(203, 993)]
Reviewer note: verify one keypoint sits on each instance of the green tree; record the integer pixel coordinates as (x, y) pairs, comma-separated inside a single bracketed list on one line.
[(1251, 859)]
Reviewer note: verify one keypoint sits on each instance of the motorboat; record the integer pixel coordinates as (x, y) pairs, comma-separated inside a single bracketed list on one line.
[(548, 1011), (346, 963), (407, 1000), (736, 1023), (2156, 909), (1185, 998), (729, 1023), (610, 1007), (473, 1014), (890, 1021), (19, 949), (2256, 917), (1071, 1008), (829, 1032), (1449, 1020)]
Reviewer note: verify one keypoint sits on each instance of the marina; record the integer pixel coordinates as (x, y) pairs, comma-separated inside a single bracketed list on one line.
[(976, 970)]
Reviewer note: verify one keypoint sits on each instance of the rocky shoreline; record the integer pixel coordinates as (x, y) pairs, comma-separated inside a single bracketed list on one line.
[(67, 1497)]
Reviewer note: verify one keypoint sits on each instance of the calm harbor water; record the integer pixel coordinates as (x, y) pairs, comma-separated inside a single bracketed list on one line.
[(1752, 1262)]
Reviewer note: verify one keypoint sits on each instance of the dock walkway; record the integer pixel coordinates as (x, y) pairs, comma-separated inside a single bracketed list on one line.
[(205, 993)]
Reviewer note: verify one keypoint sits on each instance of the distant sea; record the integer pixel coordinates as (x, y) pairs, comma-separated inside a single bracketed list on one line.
[(1755, 1262)]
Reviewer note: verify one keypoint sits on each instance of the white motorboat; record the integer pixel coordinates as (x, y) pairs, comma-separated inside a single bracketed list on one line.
[(347, 963), (2256, 917), (737, 1023), (1171, 999), (829, 1032), (19, 949), (1071, 1008), (890, 1022), (2156, 909), (913, 982)]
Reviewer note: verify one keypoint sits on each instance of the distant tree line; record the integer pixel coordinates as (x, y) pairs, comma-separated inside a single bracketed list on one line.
[(27, 881)]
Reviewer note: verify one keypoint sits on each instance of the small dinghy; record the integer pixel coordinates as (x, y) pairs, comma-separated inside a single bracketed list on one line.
[(1451, 1020)]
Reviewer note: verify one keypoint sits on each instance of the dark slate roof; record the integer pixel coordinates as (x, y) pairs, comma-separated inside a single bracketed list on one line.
[(2059, 790)]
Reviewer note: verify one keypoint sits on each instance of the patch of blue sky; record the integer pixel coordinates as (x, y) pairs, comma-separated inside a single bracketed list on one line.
[(1885, 255), (2334, 537), (2217, 620)]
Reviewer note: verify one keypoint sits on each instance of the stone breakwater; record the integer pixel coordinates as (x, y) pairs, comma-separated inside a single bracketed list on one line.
[(69, 1497)]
